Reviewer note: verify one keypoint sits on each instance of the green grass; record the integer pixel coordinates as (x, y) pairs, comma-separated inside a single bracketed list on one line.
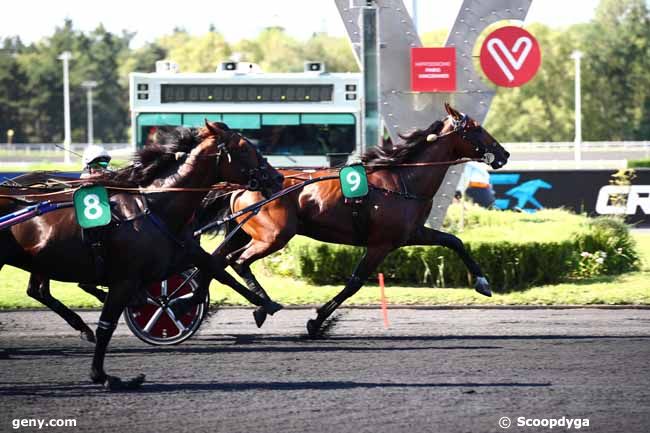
[(639, 163), (631, 288), (547, 225)]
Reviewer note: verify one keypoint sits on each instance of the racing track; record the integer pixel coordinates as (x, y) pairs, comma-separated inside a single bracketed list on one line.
[(432, 371)]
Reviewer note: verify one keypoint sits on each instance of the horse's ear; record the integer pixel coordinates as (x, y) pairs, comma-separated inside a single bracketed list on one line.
[(452, 112), (212, 128)]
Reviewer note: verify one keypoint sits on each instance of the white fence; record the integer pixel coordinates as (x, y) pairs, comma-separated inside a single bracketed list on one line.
[(586, 146), (524, 156), (51, 147)]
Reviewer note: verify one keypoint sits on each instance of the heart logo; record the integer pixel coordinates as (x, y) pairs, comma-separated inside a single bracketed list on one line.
[(510, 56), (496, 48)]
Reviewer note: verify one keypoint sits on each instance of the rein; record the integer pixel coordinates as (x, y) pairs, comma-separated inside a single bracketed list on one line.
[(216, 187)]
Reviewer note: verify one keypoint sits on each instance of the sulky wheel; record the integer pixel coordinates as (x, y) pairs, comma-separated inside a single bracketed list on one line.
[(155, 323)]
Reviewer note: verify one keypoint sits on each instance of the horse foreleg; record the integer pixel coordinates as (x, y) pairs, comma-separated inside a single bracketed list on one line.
[(214, 267), (369, 262), (427, 236), (116, 300), (254, 251), (39, 288)]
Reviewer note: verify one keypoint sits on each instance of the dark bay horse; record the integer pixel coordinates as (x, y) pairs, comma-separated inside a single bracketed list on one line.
[(402, 181), (151, 239)]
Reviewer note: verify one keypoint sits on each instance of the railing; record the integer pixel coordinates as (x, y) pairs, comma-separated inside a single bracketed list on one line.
[(641, 146), (535, 155), (51, 147)]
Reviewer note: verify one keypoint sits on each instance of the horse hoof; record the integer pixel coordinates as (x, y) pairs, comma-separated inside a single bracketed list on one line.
[(97, 377), (113, 383), (272, 307), (313, 328), (482, 286), (88, 335), (260, 316)]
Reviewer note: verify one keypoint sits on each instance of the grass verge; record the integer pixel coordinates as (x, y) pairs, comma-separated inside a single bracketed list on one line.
[(628, 289)]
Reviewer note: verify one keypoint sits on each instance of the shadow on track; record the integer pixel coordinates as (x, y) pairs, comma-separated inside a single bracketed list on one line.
[(250, 343), (76, 390)]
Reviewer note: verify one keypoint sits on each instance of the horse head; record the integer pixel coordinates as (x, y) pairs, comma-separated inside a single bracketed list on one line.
[(238, 161), (473, 140)]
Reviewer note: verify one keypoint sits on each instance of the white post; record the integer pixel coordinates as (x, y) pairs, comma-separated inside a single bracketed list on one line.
[(577, 55), (67, 140), (414, 14), (89, 85)]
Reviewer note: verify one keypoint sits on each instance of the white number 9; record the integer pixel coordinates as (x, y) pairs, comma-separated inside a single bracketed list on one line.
[(353, 179)]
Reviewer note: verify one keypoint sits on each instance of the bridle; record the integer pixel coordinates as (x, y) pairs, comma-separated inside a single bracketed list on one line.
[(470, 134), (257, 176)]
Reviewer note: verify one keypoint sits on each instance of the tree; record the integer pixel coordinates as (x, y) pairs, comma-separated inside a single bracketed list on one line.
[(541, 110), (12, 84), (95, 56), (196, 54), (280, 52), (335, 52), (616, 78)]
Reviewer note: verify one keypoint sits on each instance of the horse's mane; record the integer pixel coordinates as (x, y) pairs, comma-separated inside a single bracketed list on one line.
[(149, 161), (40, 179), (401, 153)]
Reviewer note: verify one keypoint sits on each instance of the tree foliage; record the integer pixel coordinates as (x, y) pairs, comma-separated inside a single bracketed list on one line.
[(615, 76)]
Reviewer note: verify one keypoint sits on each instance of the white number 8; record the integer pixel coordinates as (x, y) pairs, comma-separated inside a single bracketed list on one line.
[(353, 179), (92, 211)]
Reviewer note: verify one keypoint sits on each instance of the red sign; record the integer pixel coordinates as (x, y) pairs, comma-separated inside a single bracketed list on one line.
[(433, 69), (510, 56)]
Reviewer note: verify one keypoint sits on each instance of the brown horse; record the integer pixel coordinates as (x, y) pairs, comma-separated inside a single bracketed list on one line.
[(265, 179), (402, 181), (151, 240)]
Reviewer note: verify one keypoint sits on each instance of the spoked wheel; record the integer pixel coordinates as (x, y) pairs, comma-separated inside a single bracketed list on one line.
[(155, 323)]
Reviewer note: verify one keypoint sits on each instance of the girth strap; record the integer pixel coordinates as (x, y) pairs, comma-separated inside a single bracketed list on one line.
[(360, 219)]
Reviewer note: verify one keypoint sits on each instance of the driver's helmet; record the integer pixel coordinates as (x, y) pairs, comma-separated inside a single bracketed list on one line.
[(96, 157)]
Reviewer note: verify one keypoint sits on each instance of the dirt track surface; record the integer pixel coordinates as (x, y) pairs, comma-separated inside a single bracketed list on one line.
[(432, 371)]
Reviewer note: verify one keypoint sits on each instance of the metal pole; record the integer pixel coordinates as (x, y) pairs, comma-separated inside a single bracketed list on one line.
[(577, 55), (414, 8), (370, 63), (67, 140), (89, 85)]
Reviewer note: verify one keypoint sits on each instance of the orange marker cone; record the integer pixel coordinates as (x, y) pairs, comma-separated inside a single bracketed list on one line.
[(384, 303)]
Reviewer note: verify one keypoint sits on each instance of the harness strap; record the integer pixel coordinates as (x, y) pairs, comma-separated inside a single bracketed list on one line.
[(407, 195), (160, 225)]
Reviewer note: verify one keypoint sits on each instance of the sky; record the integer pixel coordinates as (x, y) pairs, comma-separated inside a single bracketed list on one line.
[(238, 19)]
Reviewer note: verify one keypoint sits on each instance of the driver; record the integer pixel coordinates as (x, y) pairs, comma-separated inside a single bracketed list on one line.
[(95, 160)]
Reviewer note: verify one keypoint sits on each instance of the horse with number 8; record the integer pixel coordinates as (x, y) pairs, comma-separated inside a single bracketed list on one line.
[(151, 238), (401, 183)]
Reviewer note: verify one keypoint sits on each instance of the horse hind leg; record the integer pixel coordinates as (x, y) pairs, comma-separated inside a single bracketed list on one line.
[(39, 288), (91, 289), (368, 263)]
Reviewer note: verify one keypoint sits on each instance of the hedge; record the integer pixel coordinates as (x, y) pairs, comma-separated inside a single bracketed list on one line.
[(639, 163), (508, 265)]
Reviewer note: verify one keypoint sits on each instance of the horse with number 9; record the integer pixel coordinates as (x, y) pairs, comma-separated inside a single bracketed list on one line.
[(402, 182)]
